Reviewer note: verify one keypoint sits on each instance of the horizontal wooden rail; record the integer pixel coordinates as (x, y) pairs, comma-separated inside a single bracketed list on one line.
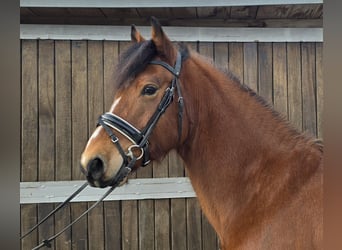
[(156, 3), (135, 189), (186, 34)]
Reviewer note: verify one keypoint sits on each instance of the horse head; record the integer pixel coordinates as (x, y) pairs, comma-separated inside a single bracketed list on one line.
[(144, 122)]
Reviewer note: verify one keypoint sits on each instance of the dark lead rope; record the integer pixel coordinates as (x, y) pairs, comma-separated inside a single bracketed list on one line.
[(116, 181), (56, 209), (47, 242)]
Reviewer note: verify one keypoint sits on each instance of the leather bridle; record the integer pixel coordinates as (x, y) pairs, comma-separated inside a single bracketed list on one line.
[(138, 138)]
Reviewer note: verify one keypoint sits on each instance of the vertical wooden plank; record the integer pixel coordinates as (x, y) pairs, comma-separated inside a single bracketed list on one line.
[(146, 215), (146, 224), (206, 49), (194, 222), (294, 85), (110, 60), (178, 206), (79, 134), (209, 239), (280, 78), (112, 214), (309, 87), (95, 83), (46, 125), (29, 134), (95, 109), (235, 62), (221, 55), (63, 133), (319, 88), (193, 211), (250, 62), (265, 71), (63, 110), (112, 217), (79, 105), (129, 208), (96, 227), (162, 210), (46, 110), (129, 225)]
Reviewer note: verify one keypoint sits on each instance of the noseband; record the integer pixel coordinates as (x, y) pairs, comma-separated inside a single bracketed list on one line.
[(139, 139)]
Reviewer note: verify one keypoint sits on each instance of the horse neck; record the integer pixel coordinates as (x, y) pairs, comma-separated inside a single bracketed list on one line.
[(235, 144)]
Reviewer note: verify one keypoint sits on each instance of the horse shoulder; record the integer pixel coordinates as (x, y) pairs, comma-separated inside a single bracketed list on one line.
[(299, 224)]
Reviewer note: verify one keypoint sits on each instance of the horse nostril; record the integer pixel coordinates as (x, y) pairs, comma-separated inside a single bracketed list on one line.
[(95, 168)]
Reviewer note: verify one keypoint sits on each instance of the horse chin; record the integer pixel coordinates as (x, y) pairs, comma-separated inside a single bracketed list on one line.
[(106, 183)]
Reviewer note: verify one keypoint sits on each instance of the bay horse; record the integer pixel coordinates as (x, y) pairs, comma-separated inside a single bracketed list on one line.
[(258, 180)]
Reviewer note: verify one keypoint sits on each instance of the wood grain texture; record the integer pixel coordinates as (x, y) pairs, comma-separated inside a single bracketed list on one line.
[(250, 63), (79, 105), (265, 71), (29, 134), (221, 56), (112, 223), (46, 125), (110, 59), (294, 85), (319, 89), (280, 78), (162, 210), (63, 132), (309, 88), (130, 225), (79, 134), (178, 206), (235, 62), (146, 214)]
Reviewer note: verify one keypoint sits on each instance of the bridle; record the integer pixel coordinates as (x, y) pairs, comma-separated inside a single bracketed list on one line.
[(139, 140)]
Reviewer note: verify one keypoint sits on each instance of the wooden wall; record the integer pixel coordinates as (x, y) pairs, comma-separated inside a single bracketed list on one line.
[(66, 85)]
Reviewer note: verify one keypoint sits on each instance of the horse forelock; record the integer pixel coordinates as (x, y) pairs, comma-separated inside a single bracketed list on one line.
[(136, 58), (133, 61)]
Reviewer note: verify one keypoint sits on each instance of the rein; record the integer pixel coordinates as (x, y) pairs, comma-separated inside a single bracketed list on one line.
[(138, 138), (47, 242)]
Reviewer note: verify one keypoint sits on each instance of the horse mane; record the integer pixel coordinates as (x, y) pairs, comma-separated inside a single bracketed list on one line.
[(293, 132), (276, 115), (136, 58)]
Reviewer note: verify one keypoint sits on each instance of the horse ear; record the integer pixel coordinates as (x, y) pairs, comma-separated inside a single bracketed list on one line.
[(163, 44), (135, 35)]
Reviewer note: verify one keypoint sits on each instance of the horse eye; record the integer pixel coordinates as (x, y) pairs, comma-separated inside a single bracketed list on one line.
[(149, 90)]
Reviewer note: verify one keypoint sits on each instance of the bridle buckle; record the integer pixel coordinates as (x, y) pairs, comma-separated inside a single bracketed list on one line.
[(130, 152)]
